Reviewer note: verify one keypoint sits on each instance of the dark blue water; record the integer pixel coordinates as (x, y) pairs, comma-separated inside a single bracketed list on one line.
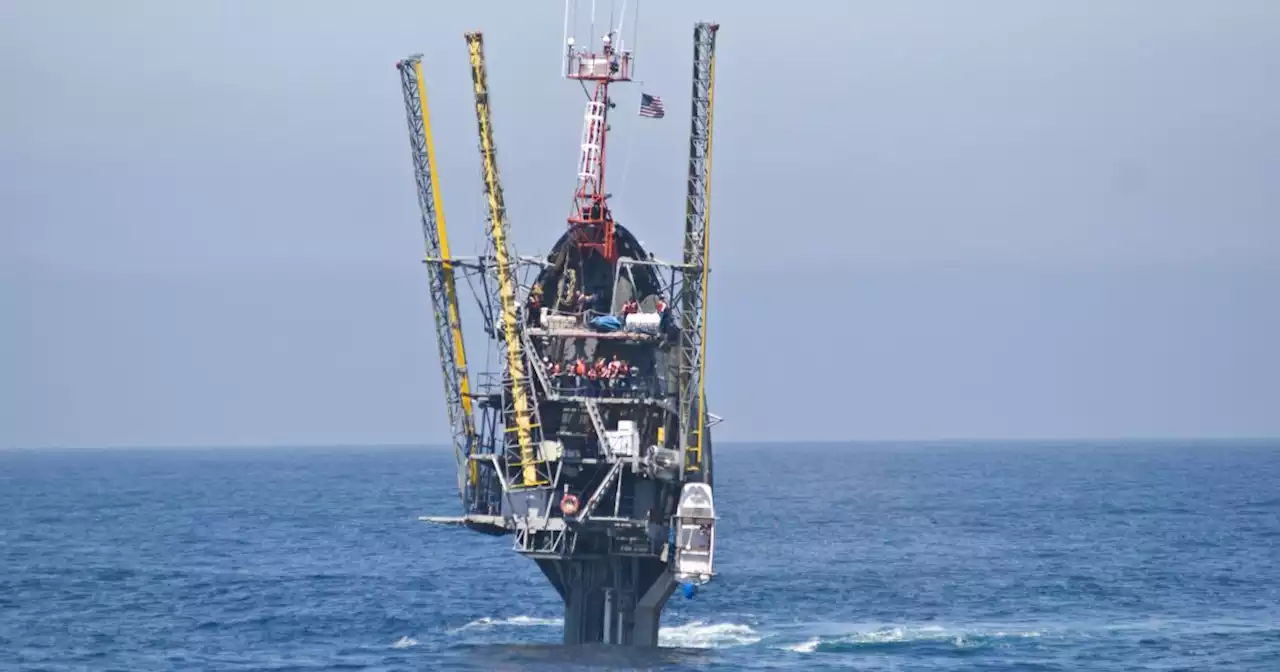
[(1152, 556)]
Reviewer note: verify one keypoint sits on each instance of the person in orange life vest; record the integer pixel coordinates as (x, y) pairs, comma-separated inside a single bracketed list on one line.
[(606, 374), (660, 305), (579, 373), (602, 372), (616, 369)]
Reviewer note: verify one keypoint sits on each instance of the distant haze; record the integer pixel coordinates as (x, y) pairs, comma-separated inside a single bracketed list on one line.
[(931, 219)]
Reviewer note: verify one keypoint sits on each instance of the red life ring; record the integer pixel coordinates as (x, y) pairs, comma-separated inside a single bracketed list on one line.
[(569, 504)]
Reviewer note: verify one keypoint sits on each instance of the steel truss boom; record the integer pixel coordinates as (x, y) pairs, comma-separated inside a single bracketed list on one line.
[(697, 247), (523, 450), (444, 294)]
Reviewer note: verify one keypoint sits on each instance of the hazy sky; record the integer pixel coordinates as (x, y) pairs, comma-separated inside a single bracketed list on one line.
[(985, 219)]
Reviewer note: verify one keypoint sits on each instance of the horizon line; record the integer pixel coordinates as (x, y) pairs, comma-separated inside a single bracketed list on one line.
[(801, 442)]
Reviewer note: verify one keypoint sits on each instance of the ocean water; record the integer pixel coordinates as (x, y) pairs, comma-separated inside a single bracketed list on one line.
[(1012, 556)]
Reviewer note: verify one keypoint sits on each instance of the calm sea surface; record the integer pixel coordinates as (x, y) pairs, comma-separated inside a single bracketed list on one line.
[(1138, 556)]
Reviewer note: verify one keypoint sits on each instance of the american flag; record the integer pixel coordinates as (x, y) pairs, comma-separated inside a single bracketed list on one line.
[(651, 106)]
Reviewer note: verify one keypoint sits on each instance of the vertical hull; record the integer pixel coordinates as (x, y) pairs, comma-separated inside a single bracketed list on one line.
[(586, 442)]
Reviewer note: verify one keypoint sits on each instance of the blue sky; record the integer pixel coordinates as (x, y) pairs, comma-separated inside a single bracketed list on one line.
[(996, 219)]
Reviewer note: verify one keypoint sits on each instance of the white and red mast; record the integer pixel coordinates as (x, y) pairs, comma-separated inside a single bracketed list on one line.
[(590, 222)]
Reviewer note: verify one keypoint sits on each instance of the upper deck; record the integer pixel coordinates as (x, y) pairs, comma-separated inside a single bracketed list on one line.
[(607, 65)]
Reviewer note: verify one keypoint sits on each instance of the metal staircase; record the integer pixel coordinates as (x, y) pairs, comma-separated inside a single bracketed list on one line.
[(539, 369), (609, 478), (597, 421)]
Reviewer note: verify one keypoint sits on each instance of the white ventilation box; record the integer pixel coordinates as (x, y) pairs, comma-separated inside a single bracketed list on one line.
[(552, 450), (553, 321), (644, 322), (624, 442)]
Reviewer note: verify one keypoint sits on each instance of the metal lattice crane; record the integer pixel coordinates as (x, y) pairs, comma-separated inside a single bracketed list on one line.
[(440, 271), (697, 248), (522, 452)]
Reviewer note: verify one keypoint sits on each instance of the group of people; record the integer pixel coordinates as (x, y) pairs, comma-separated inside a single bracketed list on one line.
[(633, 306), (609, 378), (578, 302)]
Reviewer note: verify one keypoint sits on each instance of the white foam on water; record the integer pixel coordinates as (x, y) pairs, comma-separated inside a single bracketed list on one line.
[(961, 638), (517, 621), (694, 635), (806, 639), (531, 620), (703, 635), (807, 646), (819, 638), (404, 643)]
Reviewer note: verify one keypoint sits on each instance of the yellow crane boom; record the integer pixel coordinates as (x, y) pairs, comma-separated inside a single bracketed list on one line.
[(444, 294), (521, 398), (697, 250)]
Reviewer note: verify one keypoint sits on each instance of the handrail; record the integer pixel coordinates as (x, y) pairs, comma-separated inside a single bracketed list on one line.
[(640, 387)]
